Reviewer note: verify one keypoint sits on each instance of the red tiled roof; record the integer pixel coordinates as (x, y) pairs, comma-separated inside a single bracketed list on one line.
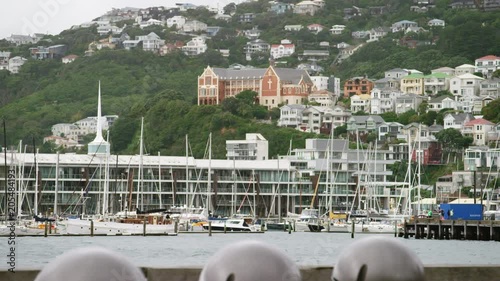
[(489, 57), (480, 121)]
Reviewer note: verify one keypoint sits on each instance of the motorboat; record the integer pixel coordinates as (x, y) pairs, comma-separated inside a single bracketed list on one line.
[(302, 223), (318, 225), (233, 224)]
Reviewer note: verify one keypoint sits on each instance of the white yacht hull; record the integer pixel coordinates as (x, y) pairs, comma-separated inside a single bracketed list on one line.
[(114, 228), (373, 227)]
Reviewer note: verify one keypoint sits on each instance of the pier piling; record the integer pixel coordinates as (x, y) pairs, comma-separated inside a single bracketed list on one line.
[(209, 228), (480, 230), (91, 228)]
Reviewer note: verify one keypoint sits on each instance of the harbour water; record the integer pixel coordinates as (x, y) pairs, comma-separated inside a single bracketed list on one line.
[(193, 250)]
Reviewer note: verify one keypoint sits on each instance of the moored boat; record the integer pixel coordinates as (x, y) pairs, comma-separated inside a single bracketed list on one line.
[(233, 224)]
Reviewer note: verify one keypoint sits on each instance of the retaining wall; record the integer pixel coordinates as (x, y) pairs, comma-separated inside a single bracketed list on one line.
[(433, 273)]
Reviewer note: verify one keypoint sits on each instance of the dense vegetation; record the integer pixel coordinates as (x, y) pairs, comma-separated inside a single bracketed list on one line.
[(163, 89)]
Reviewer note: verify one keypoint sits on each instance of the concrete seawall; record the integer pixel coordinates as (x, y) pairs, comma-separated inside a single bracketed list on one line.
[(433, 273)]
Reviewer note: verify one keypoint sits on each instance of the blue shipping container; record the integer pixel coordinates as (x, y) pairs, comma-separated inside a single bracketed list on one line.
[(462, 211)]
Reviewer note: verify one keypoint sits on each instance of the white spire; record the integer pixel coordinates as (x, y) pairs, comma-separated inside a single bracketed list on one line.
[(99, 145), (98, 136)]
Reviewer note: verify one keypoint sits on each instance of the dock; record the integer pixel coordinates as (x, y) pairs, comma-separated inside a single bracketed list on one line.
[(432, 228)]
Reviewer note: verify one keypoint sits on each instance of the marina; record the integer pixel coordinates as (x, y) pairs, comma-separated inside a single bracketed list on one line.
[(181, 257)]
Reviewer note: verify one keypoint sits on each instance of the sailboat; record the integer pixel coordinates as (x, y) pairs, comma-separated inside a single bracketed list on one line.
[(132, 222), (370, 219)]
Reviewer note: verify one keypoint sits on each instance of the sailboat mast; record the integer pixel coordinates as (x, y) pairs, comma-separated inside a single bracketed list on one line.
[(140, 193), (358, 188), (6, 169), (233, 193), (209, 184), (328, 173), (419, 163), (56, 191), (35, 203), (20, 168), (188, 187), (409, 174), (159, 180)]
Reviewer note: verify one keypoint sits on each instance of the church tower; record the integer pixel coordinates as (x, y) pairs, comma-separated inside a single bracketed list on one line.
[(99, 146)]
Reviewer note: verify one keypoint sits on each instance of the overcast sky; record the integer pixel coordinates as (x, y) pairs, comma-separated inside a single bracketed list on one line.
[(54, 16)]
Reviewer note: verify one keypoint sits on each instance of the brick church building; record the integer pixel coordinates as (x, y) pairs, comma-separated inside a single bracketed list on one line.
[(274, 85)]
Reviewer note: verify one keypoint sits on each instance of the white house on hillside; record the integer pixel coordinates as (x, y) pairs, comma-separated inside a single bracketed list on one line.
[(194, 26), (436, 22), (479, 130), (465, 84), (442, 102), (291, 115), (322, 97), (294, 27), (490, 88), (383, 100), (15, 64), (457, 120), (446, 70), (178, 21), (464, 69), (195, 47), (360, 103), (315, 28), (403, 25), (308, 7), (337, 29), (284, 49), (396, 73), (151, 42), (487, 65)]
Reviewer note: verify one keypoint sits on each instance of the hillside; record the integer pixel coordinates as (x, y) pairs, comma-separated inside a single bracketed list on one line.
[(163, 88)]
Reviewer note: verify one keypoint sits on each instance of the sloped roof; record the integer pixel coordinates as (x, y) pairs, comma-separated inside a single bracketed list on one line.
[(227, 73), (469, 76), (441, 69), (436, 128), (285, 74), (292, 75), (479, 121), (363, 118), (460, 117), (437, 75), (489, 57), (439, 99), (465, 66)]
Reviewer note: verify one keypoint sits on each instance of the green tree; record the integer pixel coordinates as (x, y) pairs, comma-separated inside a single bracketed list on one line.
[(491, 111), (452, 142), (389, 116), (405, 118)]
